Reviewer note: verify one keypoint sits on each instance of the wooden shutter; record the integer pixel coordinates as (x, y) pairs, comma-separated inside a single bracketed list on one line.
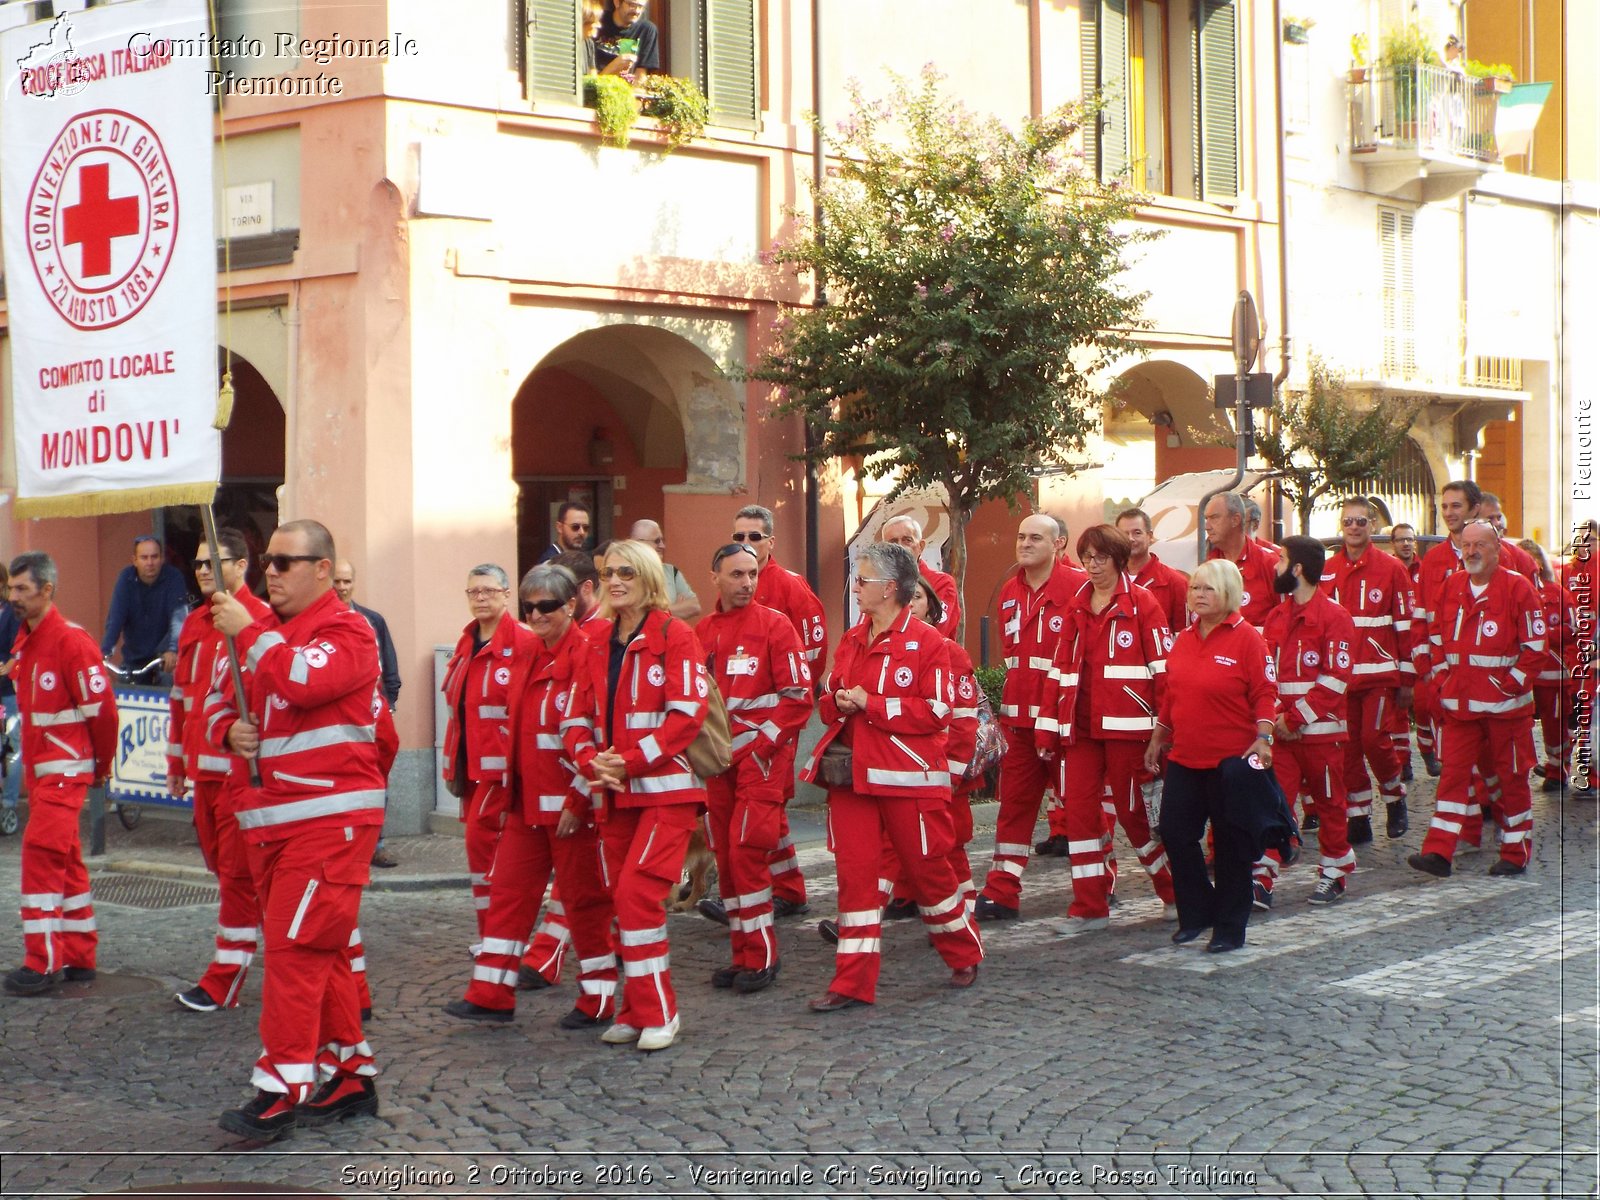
[(1113, 29), (1395, 236), (552, 58), (1089, 64), (730, 63), (1218, 119)]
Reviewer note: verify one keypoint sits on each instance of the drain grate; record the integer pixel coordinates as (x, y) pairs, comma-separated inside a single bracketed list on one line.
[(140, 891)]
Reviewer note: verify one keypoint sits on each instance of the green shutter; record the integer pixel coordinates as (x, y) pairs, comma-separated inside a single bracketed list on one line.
[(554, 62), (1089, 63), (729, 62), (1219, 100), (1114, 83)]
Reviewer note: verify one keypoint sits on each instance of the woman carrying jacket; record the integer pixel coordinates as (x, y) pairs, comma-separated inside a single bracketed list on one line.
[(645, 693)]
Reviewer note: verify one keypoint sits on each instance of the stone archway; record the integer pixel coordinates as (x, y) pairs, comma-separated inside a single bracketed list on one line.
[(1159, 421)]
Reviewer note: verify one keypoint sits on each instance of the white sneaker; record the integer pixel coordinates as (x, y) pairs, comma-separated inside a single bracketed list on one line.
[(1169, 912), (1073, 926), (659, 1037), (620, 1034)]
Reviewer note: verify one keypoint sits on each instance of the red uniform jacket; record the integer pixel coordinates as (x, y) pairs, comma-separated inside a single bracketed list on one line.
[(201, 658), (1170, 587), (944, 587), (756, 658), (899, 743), (311, 686), (1121, 654), (1484, 652), (69, 713), (782, 589), (1312, 648), (962, 739), (1218, 687), (1376, 591), (1259, 566), (481, 682), (1561, 634), (1031, 623), (545, 742), (660, 706)]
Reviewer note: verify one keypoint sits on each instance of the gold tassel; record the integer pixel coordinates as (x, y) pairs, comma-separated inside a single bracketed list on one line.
[(224, 402), (90, 504)]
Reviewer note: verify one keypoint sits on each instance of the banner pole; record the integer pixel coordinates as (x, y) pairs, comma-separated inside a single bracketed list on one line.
[(209, 520)]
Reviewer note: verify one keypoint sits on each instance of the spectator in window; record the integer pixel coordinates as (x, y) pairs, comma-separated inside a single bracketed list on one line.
[(147, 593), (626, 22), (593, 11)]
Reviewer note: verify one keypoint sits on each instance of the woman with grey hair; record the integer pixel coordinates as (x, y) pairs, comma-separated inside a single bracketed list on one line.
[(887, 703), (549, 826)]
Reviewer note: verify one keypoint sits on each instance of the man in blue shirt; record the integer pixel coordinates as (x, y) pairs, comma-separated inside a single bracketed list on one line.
[(147, 594)]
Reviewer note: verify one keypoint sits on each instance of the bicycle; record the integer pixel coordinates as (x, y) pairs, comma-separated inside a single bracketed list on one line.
[(148, 675)]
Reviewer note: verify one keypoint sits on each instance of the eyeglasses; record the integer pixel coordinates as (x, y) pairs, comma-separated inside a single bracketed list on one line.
[(578, 525), (622, 573), (485, 593), (204, 564), (282, 562), (1358, 522), (750, 537), (1095, 559), (727, 551), (529, 607), (869, 579)]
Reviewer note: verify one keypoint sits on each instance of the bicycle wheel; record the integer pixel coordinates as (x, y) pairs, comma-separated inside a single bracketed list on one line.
[(129, 814)]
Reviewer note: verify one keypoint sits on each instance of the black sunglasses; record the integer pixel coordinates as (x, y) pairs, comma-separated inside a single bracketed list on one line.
[(282, 562), (545, 606), (750, 537), (204, 564)]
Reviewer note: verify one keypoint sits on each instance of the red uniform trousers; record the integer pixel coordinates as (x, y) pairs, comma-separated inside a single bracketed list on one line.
[(1367, 719), (484, 812), (239, 914), (788, 883), (1091, 767), (858, 826), (58, 928), (356, 954), (1503, 751), (310, 887), (547, 952), (1550, 708), (1023, 779), (961, 835), (1400, 732), (743, 807), (1316, 769), (644, 850), (523, 863)]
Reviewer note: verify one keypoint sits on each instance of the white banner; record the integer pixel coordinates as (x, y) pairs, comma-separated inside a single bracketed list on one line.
[(110, 256)]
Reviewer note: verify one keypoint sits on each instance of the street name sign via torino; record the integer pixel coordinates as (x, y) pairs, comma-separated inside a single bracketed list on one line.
[(106, 198)]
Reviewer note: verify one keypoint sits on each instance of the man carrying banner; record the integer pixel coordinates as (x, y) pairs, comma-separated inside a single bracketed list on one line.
[(217, 778), (69, 735), (310, 718)]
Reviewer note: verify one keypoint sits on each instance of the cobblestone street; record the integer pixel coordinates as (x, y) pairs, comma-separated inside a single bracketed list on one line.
[(1424, 1037)]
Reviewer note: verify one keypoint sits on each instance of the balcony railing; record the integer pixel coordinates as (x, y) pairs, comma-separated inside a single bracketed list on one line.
[(1429, 110)]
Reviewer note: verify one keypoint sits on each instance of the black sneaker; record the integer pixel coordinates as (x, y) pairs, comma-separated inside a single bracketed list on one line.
[(712, 909), (1398, 819), (468, 1011), (1054, 846), (366, 1015), (80, 974), (197, 999), (1405, 772), (828, 931), (781, 907), (265, 1118), (986, 909), (578, 1019), (1552, 784), (342, 1096), (723, 977), (25, 981), (900, 910), (1502, 867), (1360, 830), (1431, 864), (756, 981), (1261, 897), (530, 980), (1328, 891), (1431, 762), (1309, 821)]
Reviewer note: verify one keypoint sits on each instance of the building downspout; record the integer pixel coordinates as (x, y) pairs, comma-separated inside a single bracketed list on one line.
[(1283, 237), (818, 170)]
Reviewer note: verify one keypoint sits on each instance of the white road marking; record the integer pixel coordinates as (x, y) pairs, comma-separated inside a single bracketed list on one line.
[(1483, 961)]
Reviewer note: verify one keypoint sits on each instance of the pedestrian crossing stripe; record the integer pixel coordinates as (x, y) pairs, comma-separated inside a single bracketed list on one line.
[(1482, 962)]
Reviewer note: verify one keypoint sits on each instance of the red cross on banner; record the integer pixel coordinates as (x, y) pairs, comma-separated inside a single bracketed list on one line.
[(97, 218)]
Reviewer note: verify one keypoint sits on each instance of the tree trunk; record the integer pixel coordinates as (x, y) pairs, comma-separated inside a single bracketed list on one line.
[(1303, 510), (955, 555)]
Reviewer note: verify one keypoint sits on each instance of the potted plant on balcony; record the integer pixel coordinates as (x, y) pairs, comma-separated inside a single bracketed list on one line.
[(1297, 30), (1490, 78), (1358, 58), (1404, 51), (679, 107), (615, 109)]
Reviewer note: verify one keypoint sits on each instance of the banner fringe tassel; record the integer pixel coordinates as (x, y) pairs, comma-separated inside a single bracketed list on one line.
[(224, 403), (99, 504)]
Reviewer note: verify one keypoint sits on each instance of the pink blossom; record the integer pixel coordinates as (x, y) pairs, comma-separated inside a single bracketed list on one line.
[(948, 232)]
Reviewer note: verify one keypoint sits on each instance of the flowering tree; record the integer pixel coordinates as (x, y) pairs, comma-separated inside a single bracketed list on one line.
[(970, 275)]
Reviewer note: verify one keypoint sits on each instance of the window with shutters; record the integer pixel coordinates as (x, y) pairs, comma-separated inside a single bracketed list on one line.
[(1395, 229), (1168, 70)]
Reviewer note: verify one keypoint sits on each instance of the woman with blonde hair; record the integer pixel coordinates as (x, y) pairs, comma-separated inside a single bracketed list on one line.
[(1218, 712), (646, 694)]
